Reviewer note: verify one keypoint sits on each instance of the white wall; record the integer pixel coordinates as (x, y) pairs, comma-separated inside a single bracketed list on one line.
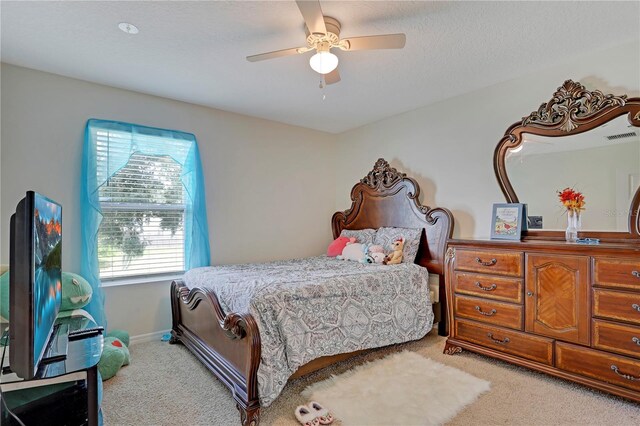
[(269, 195), (593, 171), (271, 188), (448, 146)]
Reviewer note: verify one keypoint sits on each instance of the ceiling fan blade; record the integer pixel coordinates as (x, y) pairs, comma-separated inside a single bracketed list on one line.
[(276, 54), (312, 14), (332, 77), (388, 41)]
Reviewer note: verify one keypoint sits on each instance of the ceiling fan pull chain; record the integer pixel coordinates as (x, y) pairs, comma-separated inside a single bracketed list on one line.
[(322, 86)]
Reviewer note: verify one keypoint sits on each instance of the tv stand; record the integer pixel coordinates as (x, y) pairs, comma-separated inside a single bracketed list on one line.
[(58, 345), (70, 368)]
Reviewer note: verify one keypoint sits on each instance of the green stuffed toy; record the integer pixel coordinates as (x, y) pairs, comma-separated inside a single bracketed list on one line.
[(111, 361), (120, 334), (4, 295), (115, 354), (76, 292)]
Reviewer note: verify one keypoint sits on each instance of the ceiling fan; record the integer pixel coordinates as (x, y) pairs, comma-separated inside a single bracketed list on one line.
[(323, 34)]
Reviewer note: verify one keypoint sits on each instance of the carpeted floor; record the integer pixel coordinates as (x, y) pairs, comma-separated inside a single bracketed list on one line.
[(166, 385), (379, 391)]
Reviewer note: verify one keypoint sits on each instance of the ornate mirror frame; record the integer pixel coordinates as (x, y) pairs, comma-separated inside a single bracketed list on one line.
[(572, 110)]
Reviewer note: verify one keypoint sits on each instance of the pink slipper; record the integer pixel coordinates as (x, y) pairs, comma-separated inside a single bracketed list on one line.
[(321, 413), (306, 417)]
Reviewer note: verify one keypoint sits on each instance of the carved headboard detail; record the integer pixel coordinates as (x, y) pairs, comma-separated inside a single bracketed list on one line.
[(386, 197)]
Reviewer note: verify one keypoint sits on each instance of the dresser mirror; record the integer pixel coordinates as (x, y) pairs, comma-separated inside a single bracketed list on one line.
[(603, 164), (580, 139)]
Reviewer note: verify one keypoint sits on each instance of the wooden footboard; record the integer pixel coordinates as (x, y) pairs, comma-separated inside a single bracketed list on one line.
[(228, 345)]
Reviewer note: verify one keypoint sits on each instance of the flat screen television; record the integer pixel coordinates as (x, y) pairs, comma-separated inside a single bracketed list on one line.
[(35, 280)]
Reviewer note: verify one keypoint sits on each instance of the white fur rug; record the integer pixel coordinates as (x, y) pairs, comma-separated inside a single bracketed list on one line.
[(401, 389)]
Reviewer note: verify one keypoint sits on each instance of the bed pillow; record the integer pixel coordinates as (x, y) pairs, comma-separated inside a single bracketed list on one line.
[(362, 236), (387, 235)]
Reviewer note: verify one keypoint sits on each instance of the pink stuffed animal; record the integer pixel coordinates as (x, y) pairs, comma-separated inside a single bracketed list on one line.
[(336, 247)]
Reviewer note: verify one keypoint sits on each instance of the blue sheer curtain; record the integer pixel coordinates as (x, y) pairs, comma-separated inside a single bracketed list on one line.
[(150, 141)]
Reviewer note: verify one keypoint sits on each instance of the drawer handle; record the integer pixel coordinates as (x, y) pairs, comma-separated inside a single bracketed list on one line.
[(489, 263), (635, 340), (636, 307), (500, 342), (636, 274), (488, 314), (490, 288), (624, 376)]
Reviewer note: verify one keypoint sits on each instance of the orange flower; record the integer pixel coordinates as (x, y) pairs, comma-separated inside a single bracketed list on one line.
[(571, 199)]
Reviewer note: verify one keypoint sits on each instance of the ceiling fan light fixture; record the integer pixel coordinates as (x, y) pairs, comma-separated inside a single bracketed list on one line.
[(323, 62)]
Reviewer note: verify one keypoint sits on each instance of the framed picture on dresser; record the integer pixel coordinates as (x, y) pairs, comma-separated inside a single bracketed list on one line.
[(507, 221)]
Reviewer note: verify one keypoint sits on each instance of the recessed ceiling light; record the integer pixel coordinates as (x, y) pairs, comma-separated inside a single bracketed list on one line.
[(128, 28)]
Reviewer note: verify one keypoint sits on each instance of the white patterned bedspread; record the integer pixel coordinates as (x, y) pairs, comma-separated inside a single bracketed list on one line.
[(318, 306)]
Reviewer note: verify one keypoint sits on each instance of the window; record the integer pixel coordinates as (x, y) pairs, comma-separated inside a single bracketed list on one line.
[(143, 207), (143, 210)]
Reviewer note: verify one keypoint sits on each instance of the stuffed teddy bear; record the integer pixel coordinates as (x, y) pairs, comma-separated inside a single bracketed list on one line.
[(336, 247), (395, 257), (115, 354), (354, 251)]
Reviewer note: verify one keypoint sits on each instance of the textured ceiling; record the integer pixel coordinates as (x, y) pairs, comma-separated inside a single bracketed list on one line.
[(195, 51)]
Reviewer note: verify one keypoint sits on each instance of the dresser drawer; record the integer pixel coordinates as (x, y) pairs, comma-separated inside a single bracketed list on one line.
[(611, 272), (615, 369), (489, 311), (615, 337), (496, 262), (512, 342), (499, 288), (616, 305)]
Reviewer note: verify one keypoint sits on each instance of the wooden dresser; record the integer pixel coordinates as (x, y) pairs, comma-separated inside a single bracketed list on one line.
[(566, 309), (569, 310)]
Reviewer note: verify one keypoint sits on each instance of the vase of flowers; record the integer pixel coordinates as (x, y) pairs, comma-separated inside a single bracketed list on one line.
[(573, 202)]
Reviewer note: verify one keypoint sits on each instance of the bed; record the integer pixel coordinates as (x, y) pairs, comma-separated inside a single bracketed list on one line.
[(219, 313)]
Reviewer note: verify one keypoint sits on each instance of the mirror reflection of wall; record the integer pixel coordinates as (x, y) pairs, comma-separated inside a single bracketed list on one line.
[(603, 164)]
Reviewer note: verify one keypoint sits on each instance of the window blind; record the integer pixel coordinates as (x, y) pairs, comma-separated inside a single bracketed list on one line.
[(143, 208)]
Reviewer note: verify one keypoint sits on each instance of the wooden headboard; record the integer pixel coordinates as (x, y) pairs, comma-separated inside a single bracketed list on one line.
[(386, 197)]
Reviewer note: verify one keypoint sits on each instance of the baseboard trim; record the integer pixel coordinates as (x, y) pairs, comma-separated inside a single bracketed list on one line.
[(148, 337)]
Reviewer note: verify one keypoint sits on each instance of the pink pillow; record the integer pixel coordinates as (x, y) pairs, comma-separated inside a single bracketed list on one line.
[(336, 247)]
